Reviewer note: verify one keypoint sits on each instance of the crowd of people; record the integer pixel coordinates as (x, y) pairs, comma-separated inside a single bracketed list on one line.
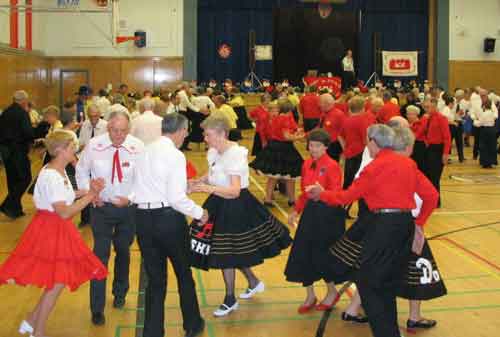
[(118, 160)]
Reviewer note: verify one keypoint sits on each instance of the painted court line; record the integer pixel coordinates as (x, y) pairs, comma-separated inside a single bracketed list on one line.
[(486, 211), (261, 189), (470, 252)]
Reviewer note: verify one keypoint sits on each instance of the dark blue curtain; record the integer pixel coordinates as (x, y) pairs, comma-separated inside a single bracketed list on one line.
[(402, 24)]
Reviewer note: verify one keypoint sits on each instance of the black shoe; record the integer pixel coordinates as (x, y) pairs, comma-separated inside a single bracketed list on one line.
[(356, 319), (196, 331), (268, 204), (98, 318), (10, 214), (119, 302), (422, 324), (291, 203)]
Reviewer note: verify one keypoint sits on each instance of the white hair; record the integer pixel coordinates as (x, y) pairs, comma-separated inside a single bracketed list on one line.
[(146, 104), (118, 110), (20, 96)]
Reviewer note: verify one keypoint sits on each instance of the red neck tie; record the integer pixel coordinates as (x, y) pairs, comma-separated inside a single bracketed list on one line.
[(117, 167)]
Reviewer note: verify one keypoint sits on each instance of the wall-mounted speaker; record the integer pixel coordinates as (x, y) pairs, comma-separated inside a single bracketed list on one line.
[(489, 45)]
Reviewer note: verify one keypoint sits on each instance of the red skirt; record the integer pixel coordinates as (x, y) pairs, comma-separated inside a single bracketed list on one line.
[(51, 251)]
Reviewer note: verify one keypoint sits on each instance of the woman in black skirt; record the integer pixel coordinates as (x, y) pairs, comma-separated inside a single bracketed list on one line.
[(280, 159), (488, 140), (260, 115), (421, 279), (243, 232), (319, 227)]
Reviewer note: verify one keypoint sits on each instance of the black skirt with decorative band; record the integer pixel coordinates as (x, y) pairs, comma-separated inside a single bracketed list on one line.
[(244, 233), (421, 280), (279, 160), (319, 227)]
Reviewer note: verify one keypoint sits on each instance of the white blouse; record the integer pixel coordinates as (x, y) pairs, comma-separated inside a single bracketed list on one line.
[(52, 187), (233, 162)]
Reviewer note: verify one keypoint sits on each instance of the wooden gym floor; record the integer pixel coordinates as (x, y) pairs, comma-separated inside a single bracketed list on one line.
[(468, 258)]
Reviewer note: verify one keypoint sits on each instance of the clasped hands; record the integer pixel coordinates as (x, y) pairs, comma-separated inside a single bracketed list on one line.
[(200, 186), (314, 191)]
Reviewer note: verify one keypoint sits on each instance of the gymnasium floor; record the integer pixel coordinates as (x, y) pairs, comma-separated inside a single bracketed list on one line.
[(469, 261)]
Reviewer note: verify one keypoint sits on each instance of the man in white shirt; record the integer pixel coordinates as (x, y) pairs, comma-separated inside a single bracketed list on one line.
[(188, 109), (162, 231), (93, 126), (204, 101), (348, 77), (146, 127), (113, 157)]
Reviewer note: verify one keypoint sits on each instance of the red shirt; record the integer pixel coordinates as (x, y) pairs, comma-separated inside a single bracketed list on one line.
[(261, 117), (389, 181), (333, 122), (419, 127), (343, 107), (437, 131), (354, 134), (279, 124), (387, 111), (324, 171), (309, 106)]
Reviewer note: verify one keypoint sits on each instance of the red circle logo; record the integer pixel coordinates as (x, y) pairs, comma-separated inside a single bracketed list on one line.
[(224, 51)]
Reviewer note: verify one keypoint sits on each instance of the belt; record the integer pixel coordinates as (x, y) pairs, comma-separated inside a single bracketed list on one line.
[(152, 205), (391, 210)]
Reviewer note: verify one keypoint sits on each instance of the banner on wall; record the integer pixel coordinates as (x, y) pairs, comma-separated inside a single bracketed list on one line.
[(399, 63)]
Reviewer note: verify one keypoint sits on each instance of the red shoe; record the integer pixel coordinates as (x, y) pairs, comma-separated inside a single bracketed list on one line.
[(304, 309), (325, 307)]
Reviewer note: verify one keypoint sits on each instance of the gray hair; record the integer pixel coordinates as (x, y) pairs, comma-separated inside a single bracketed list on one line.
[(116, 112), (67, 117), (148, 104), (382, 135), (403, 138), (174, 122), (20, 96), (413, 108), (219, 124)]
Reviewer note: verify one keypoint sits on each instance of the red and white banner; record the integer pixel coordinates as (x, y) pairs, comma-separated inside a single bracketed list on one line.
[(399, 63)]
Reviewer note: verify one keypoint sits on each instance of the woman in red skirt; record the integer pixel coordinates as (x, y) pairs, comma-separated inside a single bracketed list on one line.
[(51, 253)]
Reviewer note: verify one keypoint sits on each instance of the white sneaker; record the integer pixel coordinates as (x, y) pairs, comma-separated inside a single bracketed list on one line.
[(225, 310), (25, 327), (259, 288)]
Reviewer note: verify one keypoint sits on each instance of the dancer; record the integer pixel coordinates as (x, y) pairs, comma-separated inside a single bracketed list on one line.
[(388, 185), (244, 233), (320, 225), (280, 159), (51, 253)]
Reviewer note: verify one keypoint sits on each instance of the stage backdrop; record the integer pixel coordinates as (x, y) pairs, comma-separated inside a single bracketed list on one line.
[(303, 40), (402, 24)]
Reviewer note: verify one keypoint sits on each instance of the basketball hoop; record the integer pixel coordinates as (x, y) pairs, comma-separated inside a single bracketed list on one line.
[(325, 9)]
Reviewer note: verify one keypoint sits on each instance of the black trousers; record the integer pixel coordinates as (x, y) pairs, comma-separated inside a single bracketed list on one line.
[(18, 171), (335, 150), (476, 133), (115, 225), (457, 134), (310, 123), (418, 154), (351, 168), (348, 79), (434, 165), (488, 146), (385, 254), (163, 233)]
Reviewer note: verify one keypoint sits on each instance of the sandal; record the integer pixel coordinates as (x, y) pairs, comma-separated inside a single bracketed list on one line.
[(421, 324)]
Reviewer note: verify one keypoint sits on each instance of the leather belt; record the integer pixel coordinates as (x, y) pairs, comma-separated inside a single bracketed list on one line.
[(391, 210), (152, 205)]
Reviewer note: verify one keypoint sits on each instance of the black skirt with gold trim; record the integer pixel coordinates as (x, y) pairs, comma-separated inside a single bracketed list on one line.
[(421, 280), (320, 226), (244, 233)]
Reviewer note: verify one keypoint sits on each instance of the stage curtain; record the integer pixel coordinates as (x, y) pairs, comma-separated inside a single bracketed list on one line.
[(403, 25)]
